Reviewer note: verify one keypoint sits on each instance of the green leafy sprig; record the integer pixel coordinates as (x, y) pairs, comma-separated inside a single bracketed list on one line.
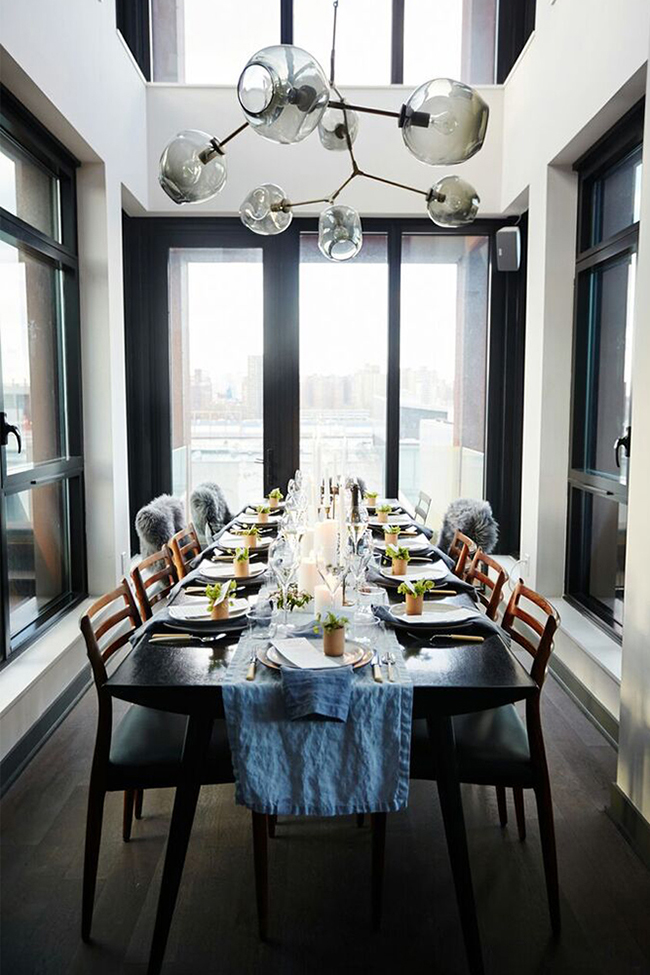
[(398, 552), (296, 598), (331, 622), (417, 588), (213, 592), (276, 493)]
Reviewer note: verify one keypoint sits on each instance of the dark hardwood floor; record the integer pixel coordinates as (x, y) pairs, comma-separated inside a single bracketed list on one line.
[(319, 870)]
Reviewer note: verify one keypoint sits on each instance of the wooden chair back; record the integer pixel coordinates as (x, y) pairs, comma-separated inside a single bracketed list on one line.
[(184, 546), (491, 593), (462, 546), (157, 570), (422, 508), (540, 642), (114, 617)]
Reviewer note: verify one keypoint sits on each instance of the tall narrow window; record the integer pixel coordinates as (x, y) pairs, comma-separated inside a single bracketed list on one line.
[(602, 435), (42, 562), (443, 342), (343, 360)]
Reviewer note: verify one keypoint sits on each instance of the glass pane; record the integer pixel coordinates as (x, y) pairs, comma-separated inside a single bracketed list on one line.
[(343, 357), (617, 198), (202, 42), (30, 351), (37, 551), (217, 356), (443, 352), (27, 190), (363, 38), (597, 553), (452, 39), (602, 398)]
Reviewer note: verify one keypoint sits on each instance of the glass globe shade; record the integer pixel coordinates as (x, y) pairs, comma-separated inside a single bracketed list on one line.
[(452, 202), (339, 233), (331, 128), (191, 169), (444, 122), (283, 93), (257, 214)]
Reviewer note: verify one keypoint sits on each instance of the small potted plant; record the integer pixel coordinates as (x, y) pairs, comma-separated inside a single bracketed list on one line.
[(414, 595), (333, 634), (371, 498), (391, 534), (218, 607), (249, 536), (241, 563), (262, 514), (275, 497), (400, 557), (383, 511)]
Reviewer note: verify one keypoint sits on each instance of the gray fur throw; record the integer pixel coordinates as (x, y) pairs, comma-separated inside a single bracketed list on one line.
[(473, 518), (157, 521), (210, 511)]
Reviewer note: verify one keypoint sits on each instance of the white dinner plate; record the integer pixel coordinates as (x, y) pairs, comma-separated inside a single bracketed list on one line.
[(392, 520), (225, 570), (354, 655), (418, 544), (237, 541), (253, 519), (441, 613), (198, 610), (413, 572), (264, 503)]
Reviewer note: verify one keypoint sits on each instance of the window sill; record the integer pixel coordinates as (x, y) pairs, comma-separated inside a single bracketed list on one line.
[(604, 650)]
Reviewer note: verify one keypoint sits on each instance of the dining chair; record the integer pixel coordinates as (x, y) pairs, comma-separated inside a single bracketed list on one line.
[(143, 752), (184, 547), (156, 572), (422, 508), (496, 747), (462, 546), (489, 587)]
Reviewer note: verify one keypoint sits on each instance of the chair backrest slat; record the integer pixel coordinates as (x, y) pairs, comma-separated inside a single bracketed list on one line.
[(479, 572), (422, 507), (544, 629), (95, 624), (162, 576), (462, 546), (184, 546)]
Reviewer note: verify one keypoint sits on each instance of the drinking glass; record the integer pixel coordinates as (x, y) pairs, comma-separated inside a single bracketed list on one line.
[(284, 559)]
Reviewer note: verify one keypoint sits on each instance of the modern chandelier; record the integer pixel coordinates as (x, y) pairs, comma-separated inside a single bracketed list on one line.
[(284, 95)]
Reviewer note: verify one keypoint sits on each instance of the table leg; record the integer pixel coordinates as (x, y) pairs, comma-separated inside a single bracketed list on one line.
[(197, 740), (441, 730)]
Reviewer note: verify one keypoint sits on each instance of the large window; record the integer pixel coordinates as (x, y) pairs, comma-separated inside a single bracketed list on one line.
[(379, 42), (41, 507), (601, 437)]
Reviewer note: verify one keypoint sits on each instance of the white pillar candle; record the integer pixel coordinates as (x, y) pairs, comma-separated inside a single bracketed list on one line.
[(307, 542), (325, 540), (341, 514), (307, 576), (325, 602)]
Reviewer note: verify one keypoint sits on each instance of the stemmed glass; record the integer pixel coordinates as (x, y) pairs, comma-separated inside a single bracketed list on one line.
[(359, 556), (332, 567), (284, 559)]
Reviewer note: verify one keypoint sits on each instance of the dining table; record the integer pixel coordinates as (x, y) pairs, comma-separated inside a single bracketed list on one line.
[(449, 678)]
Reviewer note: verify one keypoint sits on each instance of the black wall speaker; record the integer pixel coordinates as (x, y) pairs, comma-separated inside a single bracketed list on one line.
[(508, 249)]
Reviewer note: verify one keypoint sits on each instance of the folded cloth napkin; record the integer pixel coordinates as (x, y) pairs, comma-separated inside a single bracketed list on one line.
[(317, 692), (477, 626)]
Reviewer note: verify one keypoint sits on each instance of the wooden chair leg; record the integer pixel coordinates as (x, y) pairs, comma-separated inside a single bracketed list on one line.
[(272, 821), (94, 820), (518, 795), (139, 796), (260, 857), (127, 817), (549, 852), (501, 805), (360, 820), (378, 826)]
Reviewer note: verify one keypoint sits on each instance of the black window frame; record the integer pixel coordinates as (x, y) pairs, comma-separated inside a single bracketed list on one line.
[(21, 127), (612, 149), (147, 241), (515, 23)]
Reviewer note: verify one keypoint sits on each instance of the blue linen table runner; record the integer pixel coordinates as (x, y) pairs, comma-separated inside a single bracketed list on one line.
[(316, 767)]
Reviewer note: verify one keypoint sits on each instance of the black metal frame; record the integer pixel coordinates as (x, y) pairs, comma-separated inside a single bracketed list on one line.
[(147, 241), (625, 138), (516, 20), (24, 130)]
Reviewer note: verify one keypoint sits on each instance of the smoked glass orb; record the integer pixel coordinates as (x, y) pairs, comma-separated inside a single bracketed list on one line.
[(331, 128), (283, 92), (444, 122), (452, 202), (191, 169), (339, 233), (257, 213)]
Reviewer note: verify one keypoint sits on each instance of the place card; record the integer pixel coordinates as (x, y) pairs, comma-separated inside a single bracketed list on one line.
[(299, 652)]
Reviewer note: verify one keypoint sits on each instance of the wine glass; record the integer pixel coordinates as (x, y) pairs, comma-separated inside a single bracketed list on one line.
[(284, 559)]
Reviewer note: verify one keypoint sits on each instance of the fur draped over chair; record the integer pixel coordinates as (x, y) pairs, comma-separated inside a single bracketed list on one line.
[(157, 521), (209, 510), (473, 518)]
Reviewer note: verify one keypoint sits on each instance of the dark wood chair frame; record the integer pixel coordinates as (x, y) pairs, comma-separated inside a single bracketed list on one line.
[(163, 571), (422, 507), (462, 546), (184, 547), (490, 592)]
